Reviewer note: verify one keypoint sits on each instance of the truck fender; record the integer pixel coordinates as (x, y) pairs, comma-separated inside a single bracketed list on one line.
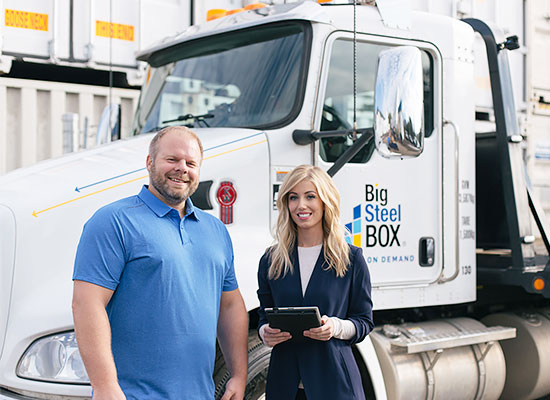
[(370, 360)]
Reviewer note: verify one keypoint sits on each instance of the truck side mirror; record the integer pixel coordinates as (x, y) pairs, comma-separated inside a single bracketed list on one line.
[(399, 103)]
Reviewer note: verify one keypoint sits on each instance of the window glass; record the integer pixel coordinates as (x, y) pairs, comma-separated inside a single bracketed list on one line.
[(338, 103), (246, 79)]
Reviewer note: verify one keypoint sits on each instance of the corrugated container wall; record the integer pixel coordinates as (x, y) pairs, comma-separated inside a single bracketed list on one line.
[(31, 117)]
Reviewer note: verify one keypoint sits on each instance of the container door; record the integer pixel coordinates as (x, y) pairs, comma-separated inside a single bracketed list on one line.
[(28, 28), (391, 207), (114, 32)]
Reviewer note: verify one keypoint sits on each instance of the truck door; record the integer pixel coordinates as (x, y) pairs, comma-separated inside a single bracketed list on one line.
[(392, 208)]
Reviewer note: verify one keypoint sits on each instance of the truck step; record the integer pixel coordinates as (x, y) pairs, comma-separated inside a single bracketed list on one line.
[(419, 344)]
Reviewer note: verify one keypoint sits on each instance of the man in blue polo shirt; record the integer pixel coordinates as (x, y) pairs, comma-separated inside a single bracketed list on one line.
[(154, 282)]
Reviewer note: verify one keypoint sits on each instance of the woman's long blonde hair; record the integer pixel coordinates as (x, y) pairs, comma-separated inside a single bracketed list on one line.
[(335, 248)]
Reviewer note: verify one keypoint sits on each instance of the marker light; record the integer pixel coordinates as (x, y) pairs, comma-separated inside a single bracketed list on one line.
[(215, 13), (148, 75), (323, 1), (234, 11), (255, 6), (54, 359), (539, 284)]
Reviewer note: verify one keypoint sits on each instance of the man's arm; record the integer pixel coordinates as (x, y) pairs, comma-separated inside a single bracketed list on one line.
[(93, 333), (233, 339)]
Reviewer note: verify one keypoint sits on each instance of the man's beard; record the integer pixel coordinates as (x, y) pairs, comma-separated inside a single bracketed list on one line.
[(160, 183)]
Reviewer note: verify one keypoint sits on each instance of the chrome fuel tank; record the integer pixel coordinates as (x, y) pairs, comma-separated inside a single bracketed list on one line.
[(528, 355), (457, 358)]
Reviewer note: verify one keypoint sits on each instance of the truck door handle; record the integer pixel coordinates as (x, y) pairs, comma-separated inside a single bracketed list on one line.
[(426, 251)]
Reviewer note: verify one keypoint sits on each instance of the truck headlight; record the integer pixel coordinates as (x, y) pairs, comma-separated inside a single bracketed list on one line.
[(54, 359)]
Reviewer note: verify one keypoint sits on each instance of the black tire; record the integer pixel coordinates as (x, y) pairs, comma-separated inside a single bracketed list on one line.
[(258, 362)]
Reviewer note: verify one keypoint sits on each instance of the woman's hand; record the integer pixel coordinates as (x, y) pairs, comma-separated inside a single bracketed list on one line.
[(274, 336), (324, 332)]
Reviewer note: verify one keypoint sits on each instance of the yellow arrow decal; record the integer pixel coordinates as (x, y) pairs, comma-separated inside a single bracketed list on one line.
[(35, 213)]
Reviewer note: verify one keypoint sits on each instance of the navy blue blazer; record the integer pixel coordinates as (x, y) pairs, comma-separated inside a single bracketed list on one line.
[(327, 369)]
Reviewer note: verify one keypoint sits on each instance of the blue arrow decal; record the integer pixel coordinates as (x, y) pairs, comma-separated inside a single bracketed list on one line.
[(78, 189)]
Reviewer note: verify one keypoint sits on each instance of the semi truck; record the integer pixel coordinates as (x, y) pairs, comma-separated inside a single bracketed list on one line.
[(381, 98)]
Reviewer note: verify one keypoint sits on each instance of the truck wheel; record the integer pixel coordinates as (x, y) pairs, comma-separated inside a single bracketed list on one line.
[(258, 362)]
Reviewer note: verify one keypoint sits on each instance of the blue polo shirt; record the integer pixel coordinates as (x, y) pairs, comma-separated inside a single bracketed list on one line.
[(167, 274)]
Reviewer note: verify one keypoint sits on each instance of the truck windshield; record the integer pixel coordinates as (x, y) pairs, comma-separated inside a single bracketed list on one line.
[(250, 78)]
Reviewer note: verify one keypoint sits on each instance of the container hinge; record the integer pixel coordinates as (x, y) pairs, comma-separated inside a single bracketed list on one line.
[(421, 344)]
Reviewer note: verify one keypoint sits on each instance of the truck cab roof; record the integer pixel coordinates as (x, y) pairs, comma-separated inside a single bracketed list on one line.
[(337, 16)]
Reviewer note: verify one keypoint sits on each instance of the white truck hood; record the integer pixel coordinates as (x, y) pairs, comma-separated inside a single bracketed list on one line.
[(75, 175)]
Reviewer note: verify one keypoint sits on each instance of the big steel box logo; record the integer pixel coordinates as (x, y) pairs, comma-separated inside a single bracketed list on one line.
[(383, 220)]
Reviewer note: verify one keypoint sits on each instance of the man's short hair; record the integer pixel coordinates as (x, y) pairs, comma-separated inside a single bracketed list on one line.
[(153, 146)]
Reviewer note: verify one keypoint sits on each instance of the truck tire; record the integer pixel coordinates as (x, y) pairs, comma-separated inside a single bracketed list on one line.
[(258, 362)]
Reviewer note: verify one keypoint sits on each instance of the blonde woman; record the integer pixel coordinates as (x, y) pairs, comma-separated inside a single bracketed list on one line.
[(312, 265)]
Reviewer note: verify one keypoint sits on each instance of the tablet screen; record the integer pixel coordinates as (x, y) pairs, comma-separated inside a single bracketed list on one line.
[(295, 320)]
